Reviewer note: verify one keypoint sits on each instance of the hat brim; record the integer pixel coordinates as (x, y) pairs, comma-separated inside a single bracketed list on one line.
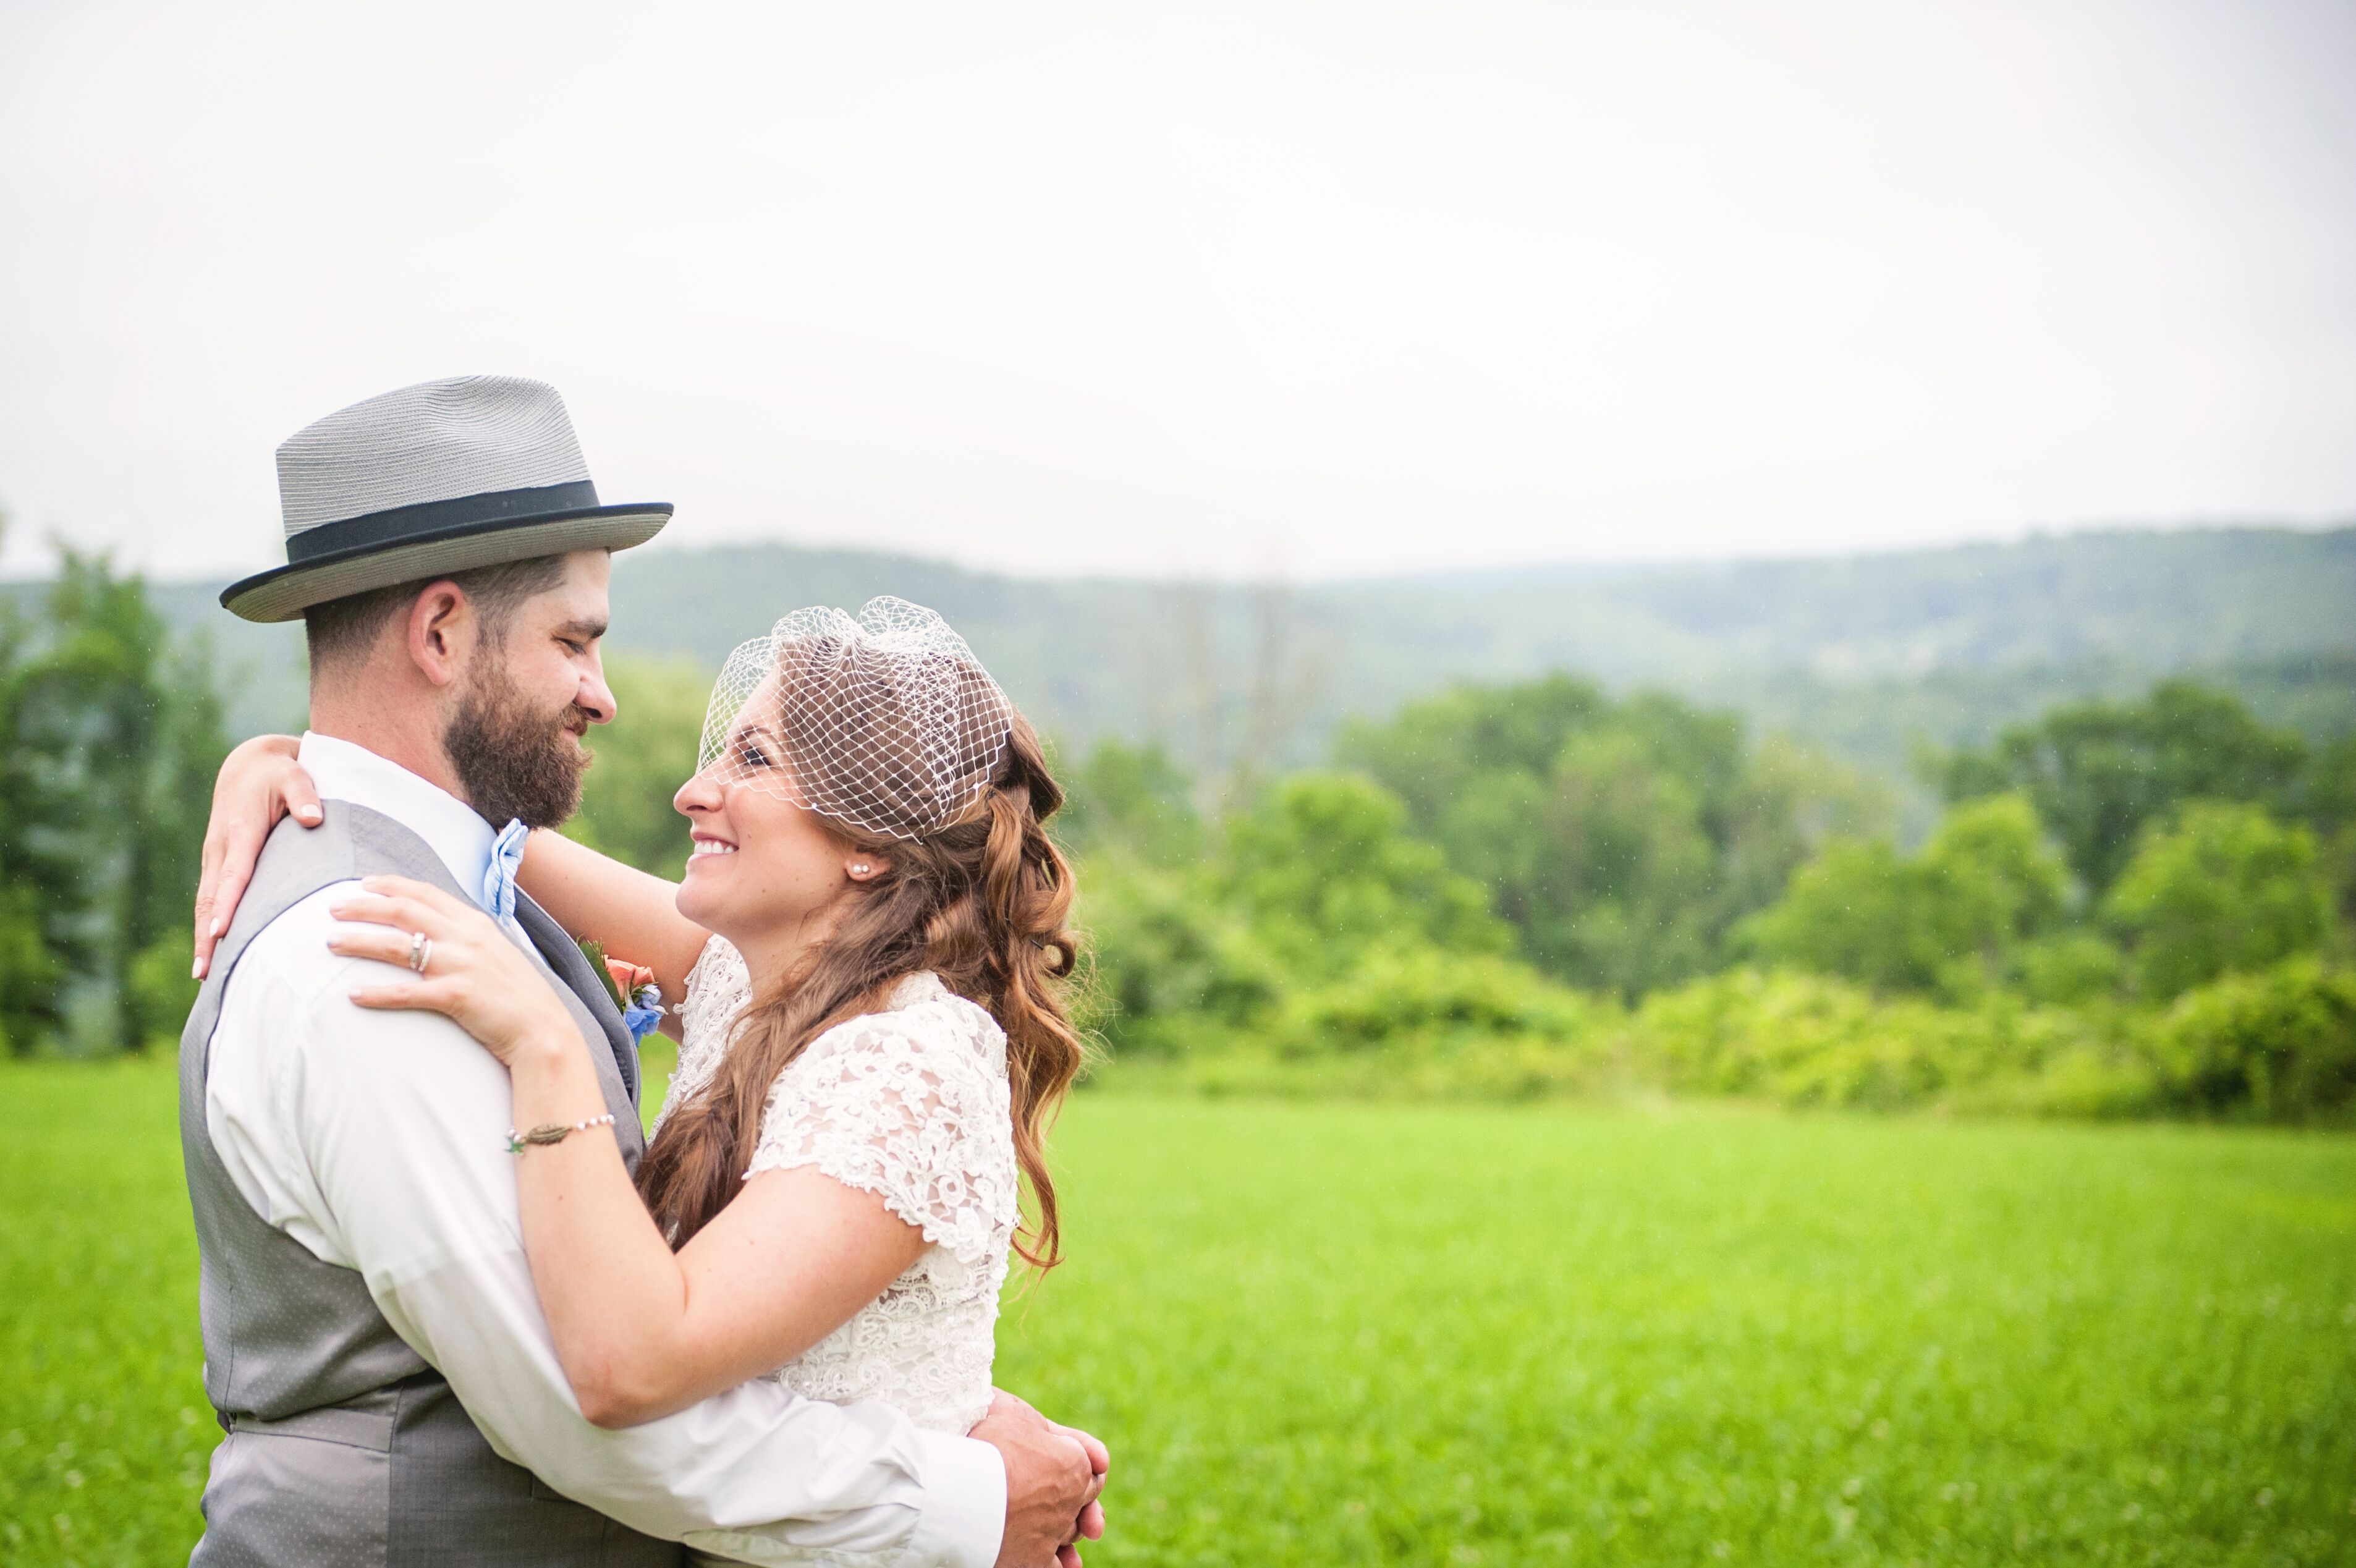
[(285, 592)]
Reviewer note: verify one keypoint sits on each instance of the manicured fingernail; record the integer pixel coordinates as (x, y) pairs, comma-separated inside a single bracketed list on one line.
[(218, 927), (308, 813), (197, 969)]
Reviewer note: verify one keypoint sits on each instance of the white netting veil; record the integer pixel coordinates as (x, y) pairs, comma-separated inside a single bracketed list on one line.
[(886, 722)]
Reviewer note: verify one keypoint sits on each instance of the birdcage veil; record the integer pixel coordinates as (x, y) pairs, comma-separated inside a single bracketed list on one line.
[(887, 722)]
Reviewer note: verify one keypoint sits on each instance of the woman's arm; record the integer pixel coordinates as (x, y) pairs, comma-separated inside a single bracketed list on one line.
[(259, 783), (641, 1332), (627, 912)]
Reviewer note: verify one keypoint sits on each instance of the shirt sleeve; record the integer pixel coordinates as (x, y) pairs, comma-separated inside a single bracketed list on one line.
[(898, 1104), (384, 1134)]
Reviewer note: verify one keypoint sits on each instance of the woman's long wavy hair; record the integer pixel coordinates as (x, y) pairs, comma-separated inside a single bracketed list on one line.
[(981, 903)]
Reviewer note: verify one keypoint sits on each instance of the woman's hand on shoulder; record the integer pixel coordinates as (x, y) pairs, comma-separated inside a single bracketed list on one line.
[(259, 782), (468, 970)]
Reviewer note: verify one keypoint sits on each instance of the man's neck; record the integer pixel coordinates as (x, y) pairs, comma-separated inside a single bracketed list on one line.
[(408, 740)]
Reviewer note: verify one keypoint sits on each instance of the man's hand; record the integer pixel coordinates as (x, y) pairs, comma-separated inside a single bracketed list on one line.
[(1053, 1476)]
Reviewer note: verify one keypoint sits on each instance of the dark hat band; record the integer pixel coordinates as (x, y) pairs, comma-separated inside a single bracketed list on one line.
[(402, 523)]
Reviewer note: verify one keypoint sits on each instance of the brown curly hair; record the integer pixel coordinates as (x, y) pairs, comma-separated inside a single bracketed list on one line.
[(981, 902)]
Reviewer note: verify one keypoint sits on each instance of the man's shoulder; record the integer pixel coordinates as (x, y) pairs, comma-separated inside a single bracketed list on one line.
[(290, 951)]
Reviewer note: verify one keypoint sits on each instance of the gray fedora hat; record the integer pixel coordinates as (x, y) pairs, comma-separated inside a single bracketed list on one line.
[(439, 478)]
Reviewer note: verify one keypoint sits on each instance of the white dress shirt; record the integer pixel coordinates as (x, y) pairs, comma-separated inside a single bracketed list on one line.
[(377, 1140)]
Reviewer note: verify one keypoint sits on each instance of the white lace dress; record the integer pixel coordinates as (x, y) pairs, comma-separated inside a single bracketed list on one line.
[(911, 1104)]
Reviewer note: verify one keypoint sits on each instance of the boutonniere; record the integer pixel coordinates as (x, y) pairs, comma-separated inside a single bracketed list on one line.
[(632, 987)]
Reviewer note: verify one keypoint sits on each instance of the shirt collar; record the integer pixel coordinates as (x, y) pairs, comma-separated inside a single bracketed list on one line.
[(341, 770)]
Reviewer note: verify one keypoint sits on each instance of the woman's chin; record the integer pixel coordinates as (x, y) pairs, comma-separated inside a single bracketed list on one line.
[(697, 898)]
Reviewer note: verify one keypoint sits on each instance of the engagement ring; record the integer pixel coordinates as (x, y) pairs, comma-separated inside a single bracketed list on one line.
[(421, 951)]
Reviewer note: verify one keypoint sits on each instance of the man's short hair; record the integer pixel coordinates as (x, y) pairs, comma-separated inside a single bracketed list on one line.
[(345, 630)]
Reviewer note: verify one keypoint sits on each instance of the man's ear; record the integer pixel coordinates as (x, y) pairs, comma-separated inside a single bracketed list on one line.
[(443, 628)]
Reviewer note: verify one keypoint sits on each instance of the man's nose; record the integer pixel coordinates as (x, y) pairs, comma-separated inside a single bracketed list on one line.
[(596, 699)]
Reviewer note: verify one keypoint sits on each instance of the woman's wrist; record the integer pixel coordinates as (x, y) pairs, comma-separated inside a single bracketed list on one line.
[(546, 1052)]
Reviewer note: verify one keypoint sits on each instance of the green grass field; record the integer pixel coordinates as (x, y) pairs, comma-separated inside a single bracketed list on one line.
[(1352, 1334)]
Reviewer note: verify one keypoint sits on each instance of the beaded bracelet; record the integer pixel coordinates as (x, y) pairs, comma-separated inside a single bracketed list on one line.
[(554, 1132)]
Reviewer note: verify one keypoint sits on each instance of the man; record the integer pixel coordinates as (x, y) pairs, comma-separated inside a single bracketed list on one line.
[(373, 1345)]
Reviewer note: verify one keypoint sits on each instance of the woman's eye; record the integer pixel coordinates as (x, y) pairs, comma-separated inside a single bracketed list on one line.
[(751, 756)]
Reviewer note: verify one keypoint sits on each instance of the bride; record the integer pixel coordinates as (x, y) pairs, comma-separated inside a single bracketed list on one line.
[(869, 938)]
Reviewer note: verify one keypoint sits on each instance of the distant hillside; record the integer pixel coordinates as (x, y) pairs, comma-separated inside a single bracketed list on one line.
[(1862, 654)]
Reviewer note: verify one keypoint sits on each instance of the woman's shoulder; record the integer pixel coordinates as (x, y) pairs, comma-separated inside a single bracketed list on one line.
[(718, 968), (924, 1024)]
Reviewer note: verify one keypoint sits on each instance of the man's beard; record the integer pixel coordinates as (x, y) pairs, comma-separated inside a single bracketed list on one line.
[(513, 760)]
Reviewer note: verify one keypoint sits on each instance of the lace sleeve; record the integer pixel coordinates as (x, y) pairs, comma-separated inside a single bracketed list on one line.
[(910, 1105)]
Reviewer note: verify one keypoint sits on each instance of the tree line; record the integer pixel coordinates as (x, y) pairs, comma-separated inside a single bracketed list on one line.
[(1498, 889)]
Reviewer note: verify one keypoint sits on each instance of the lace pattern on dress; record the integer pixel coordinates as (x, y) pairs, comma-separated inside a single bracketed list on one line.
[(912, 1104), (719, 988)]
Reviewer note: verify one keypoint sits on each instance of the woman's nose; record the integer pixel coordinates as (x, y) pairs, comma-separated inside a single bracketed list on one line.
[(697, 794)]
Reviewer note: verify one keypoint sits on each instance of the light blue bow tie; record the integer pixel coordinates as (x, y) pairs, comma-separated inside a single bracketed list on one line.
[(498, 877)]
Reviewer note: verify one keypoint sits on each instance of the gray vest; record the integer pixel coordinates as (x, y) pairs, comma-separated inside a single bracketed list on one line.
[(344, 1447)]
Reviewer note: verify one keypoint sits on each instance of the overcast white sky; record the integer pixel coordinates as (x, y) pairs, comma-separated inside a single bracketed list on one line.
[(1270, 286)]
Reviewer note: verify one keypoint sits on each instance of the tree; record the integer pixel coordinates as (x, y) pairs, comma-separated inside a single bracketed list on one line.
[(1324, 869), (1603, 864), (2100, 771), (1623, 839), (642, 758), (1998, 878), (31, 976), (1318, 884), (1431, 751), (2225, 888), (2331, 807), (1131, 802), (117, 734)]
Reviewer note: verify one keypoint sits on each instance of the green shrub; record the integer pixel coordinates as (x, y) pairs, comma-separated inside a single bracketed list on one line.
[(1422, 1002), (2067, 970), (29, 971), (1807, 1039), (162, 991), (1171, 968), (1794, 1037), (2280, 1044), (1951, 921)]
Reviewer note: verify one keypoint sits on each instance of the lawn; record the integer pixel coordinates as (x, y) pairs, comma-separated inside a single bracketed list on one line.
[(1366, 1333)]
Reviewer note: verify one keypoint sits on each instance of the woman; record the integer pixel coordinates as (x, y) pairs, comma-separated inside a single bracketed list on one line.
[(870, 937)]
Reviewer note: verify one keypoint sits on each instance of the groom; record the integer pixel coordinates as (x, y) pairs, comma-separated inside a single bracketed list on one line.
[(373, 1345)]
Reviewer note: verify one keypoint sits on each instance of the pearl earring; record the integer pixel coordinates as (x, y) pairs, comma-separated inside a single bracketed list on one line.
[(859, 868)]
